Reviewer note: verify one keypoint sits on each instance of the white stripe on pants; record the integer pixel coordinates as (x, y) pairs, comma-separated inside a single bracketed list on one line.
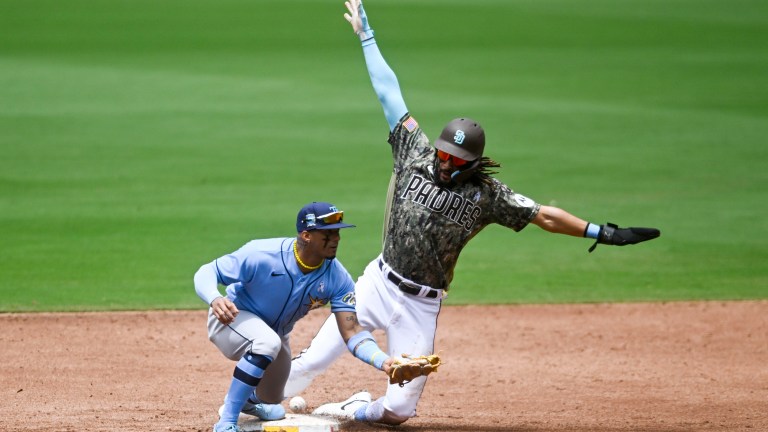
[(249, 333)]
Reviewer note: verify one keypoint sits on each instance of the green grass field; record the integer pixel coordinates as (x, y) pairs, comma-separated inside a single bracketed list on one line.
[(140, 139)]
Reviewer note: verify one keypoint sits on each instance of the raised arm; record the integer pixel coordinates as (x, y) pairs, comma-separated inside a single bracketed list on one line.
[(382, 76)]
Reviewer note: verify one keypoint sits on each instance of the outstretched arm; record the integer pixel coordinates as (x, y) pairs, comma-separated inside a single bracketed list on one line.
[(559, 221), (382, 76), (361, 342)]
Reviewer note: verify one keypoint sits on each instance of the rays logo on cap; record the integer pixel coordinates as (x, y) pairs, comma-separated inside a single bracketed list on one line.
[(458, 138)]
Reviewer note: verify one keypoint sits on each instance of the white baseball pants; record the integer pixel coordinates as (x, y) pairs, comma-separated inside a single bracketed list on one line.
[(409, 322)]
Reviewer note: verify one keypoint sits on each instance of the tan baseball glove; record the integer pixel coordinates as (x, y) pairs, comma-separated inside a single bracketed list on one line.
[(409, 367)]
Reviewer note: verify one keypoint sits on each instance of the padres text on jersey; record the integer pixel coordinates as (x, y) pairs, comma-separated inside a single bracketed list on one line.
[(439, 200)]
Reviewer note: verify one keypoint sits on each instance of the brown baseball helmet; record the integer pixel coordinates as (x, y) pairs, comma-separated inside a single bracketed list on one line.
[(462, 137)]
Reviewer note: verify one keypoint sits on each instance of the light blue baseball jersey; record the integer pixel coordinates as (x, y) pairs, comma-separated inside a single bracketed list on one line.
[(264, 278)]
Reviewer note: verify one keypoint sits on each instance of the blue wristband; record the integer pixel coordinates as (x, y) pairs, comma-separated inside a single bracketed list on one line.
[(592, 231), (364, 347), (355, 340)]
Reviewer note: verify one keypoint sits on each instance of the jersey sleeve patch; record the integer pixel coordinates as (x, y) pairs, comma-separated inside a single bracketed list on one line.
[(349, 299), (524, 201), (410, 124)]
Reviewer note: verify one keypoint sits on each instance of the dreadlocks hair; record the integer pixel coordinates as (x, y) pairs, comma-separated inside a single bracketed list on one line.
[(484, 171)]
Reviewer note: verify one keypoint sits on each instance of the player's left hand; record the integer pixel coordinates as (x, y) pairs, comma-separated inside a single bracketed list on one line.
[(611, 234), (408, 368)]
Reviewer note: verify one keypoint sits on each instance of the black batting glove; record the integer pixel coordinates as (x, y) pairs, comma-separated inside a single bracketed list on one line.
[(611, 234)]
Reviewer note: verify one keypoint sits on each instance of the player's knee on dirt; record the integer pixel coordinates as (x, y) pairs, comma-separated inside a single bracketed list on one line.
[(400, 403), (393, 419), (397, 409), (377, 413)]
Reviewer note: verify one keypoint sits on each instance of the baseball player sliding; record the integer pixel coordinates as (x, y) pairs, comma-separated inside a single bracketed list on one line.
[(441, 196), (271, 284)]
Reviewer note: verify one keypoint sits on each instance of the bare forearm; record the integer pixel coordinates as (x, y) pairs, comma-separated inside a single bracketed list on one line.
[(348, 325), (556, 220)]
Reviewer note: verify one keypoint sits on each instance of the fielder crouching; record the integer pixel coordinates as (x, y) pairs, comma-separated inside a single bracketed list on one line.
[(271, 284)]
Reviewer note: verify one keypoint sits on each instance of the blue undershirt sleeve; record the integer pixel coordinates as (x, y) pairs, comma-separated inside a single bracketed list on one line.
[(384, 83), (206, 283)]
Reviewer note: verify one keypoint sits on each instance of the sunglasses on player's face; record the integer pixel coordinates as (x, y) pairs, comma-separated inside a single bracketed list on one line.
[(457, 161), (331, 218), (327, 219)]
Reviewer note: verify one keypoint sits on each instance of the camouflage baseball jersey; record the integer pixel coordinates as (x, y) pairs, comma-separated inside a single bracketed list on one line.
[(428, 225)]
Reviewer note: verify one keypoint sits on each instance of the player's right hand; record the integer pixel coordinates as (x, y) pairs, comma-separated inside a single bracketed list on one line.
[(224, 310)]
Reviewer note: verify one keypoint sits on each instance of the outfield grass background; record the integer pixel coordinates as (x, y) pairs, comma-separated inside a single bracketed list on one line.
[(140, 139)]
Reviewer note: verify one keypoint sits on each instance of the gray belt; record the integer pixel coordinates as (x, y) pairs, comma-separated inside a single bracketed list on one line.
[(409, 287)]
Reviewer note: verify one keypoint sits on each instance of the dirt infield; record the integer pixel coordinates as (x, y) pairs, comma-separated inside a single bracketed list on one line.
[(604, 367)]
